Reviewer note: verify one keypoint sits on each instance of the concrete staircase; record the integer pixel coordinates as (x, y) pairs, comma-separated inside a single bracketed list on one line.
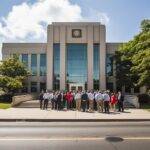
[(29, 104), (131, 101)]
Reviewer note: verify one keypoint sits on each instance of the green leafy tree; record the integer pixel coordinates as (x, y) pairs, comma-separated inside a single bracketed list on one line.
[(12, 74), (133, 59)]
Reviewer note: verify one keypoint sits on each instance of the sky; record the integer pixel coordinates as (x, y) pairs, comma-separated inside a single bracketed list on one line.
[(26, 20)]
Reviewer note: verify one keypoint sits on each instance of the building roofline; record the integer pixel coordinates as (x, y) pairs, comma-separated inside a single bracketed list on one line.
[(75, 23)]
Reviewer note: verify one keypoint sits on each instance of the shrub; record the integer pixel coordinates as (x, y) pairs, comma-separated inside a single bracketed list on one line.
[(6, 98), (144, 98)]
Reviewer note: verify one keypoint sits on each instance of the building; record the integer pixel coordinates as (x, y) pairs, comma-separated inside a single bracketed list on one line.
[(76, 56)]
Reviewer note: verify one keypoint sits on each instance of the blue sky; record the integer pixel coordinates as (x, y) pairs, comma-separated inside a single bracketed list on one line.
[(26, 20)]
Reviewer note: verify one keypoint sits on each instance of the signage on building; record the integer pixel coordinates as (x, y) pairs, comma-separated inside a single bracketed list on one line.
[(76, 33)]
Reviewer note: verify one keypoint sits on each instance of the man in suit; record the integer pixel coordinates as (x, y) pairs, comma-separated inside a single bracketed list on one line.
[(84, 99), (46, 98), (106, 98), (41, 99), (120, 101)]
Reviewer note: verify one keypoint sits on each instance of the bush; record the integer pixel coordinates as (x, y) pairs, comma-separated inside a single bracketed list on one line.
[(6, 98), (144, 98)]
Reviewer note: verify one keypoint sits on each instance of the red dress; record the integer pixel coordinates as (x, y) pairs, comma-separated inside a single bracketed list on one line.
[(69, 97), (113, 99)]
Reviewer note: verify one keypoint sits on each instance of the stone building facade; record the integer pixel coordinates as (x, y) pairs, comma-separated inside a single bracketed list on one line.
[(75, 56)]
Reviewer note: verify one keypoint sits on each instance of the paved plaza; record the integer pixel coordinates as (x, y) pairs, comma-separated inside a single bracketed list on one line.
[(36, 113)]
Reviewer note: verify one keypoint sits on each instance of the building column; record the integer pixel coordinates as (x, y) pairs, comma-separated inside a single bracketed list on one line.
[(29, 68), (62, 58), (38, 87), (102, 57), (90, 58), (49, 58), (143, 90), (38, 65)]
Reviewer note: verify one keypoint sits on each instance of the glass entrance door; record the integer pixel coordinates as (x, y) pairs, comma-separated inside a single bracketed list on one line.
[(76, 87)]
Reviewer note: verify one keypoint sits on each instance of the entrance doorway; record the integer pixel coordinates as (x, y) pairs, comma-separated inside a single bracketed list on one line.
[(76, 86)]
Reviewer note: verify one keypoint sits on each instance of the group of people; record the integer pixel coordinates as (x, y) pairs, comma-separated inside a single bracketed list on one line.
[(82, 100)]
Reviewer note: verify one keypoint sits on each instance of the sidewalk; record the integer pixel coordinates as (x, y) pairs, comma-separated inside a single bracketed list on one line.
[(35, 114)]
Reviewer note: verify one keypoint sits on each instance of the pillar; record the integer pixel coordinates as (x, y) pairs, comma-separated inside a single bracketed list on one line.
[(90, 57), (102, 57), (50, 58), (62, 57)]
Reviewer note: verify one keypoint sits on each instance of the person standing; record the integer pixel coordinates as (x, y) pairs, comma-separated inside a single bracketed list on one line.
[(51, 96), (113, 101), (106, 98), (78, 100), (91, 100), (53, 101), (99, 101), (65, 101), (120, 101), (41, 99), (84, 99), (69, 98), (59, 97), (46, 98)]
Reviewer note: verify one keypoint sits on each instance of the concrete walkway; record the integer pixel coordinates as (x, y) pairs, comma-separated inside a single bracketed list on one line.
[(36, 113)]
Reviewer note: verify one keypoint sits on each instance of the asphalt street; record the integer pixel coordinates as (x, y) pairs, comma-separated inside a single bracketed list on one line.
[(75, 135)]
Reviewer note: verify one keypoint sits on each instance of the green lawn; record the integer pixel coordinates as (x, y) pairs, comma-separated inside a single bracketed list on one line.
[(146, 106), (5, 105)]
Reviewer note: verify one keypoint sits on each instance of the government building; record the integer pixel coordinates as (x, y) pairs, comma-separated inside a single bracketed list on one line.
[(75, 57)]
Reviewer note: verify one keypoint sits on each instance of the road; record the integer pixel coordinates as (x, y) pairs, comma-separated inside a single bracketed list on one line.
[(75, 136)]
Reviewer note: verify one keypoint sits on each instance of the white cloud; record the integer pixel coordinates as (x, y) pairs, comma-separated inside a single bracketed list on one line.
[(29, 19), (95, 15), (28, 22)]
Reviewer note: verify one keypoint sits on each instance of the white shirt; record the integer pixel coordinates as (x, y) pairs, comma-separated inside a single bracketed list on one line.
[(98, 97), (119, 96), (51, 96), (77, 96), (91, 96), (106, 97), (46, 96)]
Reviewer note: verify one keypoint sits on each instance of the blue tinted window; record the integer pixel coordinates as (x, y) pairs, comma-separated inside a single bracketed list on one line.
[(34, 64), (25, 59), (96, 66), (42, 64), (33, 86), (77, 63), (109, 65), (56, 53)]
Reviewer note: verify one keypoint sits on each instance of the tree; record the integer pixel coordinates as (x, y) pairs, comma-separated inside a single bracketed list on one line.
[(12, 74), (133, 59)]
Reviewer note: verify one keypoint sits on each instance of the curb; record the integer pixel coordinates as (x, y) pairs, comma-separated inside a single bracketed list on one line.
[(74, 120)]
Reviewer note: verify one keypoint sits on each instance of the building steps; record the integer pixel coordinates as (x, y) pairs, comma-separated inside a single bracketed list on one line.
[(131, 101), (29, 104)]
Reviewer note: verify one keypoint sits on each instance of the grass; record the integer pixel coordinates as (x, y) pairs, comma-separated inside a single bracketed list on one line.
[(5, 105), (145, 106)]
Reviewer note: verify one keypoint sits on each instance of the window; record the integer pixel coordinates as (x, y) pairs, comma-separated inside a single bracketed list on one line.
[(33, 86), (96, 66), (42, 86), (76, 63), (109, 65), (56, 76), (34, 64), (109, 86), (42, 64), (25, 59)]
